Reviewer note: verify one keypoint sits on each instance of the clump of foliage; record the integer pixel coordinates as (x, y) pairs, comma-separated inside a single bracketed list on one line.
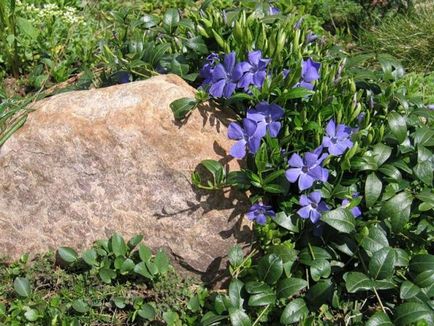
[(408, 37), (112, 283)]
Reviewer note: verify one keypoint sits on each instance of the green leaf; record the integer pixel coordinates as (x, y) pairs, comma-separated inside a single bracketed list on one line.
[(424, 172), (149, 20), (340, 219), (235, 288), (182, 106), (216, 169), (152, 268), (31, 315), (141, 269), (270, 268), (239, 318), (398, 210), (171, 19), (107, 275), (118, 246), (307, 255), (320, 268), (379, 319), (89, 257), (356, 281), (382, 263), (373, 187), (262, 299), (375, 240), (134, 241), (425, 278), (119, 302), (320, 293), (289, 287), (236, 256), (197, 44), (27, 28), (127, 266), (145, 253), (408, 290), (295, 311), (397, 125), (147, 312), (80, 306), (171, 318), (390, 171), (381, 153), (296, 92), (285, 221), (68, 255), (410, 312), (162, 262), (421, 263), (22, 287), (424, 136), (254, 287), (211, 318)]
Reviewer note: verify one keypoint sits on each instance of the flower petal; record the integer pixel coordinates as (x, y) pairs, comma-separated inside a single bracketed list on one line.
[(315, 196), (235, 131), (314, 216), (238, 150), (229, 61), (254, 143), (304, 212), (254, 57), (218, 73), (274, 128), (249, 126), (216, 89), (296, 161), (305, 181), (331, 128), (292, 174), (229, 89)]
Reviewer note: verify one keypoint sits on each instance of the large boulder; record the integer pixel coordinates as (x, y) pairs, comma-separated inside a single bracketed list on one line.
[(90, 163)]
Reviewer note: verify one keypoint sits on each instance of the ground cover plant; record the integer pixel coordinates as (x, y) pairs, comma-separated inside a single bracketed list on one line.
[(338, 167)]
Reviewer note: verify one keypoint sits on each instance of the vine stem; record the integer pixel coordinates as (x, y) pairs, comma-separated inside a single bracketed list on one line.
[(379, 300), (260, 315)]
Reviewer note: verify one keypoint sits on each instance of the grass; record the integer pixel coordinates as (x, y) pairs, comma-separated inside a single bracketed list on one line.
[(408, 37)]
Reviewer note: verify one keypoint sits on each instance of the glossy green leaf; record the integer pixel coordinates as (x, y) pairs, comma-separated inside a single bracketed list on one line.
[(80, 306), (379, 319), (171, 19), (408, 290), (373, 187), (239, 318), (106, 275), (382, 263), (424, 172), (289, 287), (381, 153), (285, 221), (162, 262), (147, 312), (182, 106), (262, 299), (134, 241), (375, 240), (397, 209), (294, 311), (356, 281), (235, 288), (145, 253), (424, 136), (410, 312), (397, 125), (422, 263), (340, 219), (320, 268), (270, 268), (141, 269), (90, 256), (424, 279), (31, 315), (254, 287), (236, 256), (320, 293), (127, 266)]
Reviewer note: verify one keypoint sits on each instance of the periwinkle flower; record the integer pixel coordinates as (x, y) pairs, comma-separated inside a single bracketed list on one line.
[(337, 139), (208, 68), (307, 169), (259, 212), (255, 70), (285, 73), (273, 11), (246, 136), (297, 25), (311, 37), (430, 106), (309, 73), (312, 206), (266, 116), (356, 211), (225, 77)]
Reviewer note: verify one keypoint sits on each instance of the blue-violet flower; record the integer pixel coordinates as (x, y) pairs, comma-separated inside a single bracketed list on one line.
[(337, 139), (255, 70), (313, 206), (266, 116), (225, 77), (259, 212), (245, 136)]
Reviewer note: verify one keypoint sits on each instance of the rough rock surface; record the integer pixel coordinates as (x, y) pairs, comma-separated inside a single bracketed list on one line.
[(90, 163)]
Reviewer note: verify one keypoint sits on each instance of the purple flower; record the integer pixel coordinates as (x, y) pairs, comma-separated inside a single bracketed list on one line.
[(307, 170), (356, 211), (285, 73), (255, 70), (245, 136), (430, 106), (337, 139), (266, 116), (313, 206), (273, 11), (309, 73), (225, 77), (311, 37), (310, 70), (208, 68), (297, 25), (259, 212)]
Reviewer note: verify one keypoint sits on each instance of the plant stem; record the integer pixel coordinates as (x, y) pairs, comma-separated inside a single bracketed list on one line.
[(260, 315)]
